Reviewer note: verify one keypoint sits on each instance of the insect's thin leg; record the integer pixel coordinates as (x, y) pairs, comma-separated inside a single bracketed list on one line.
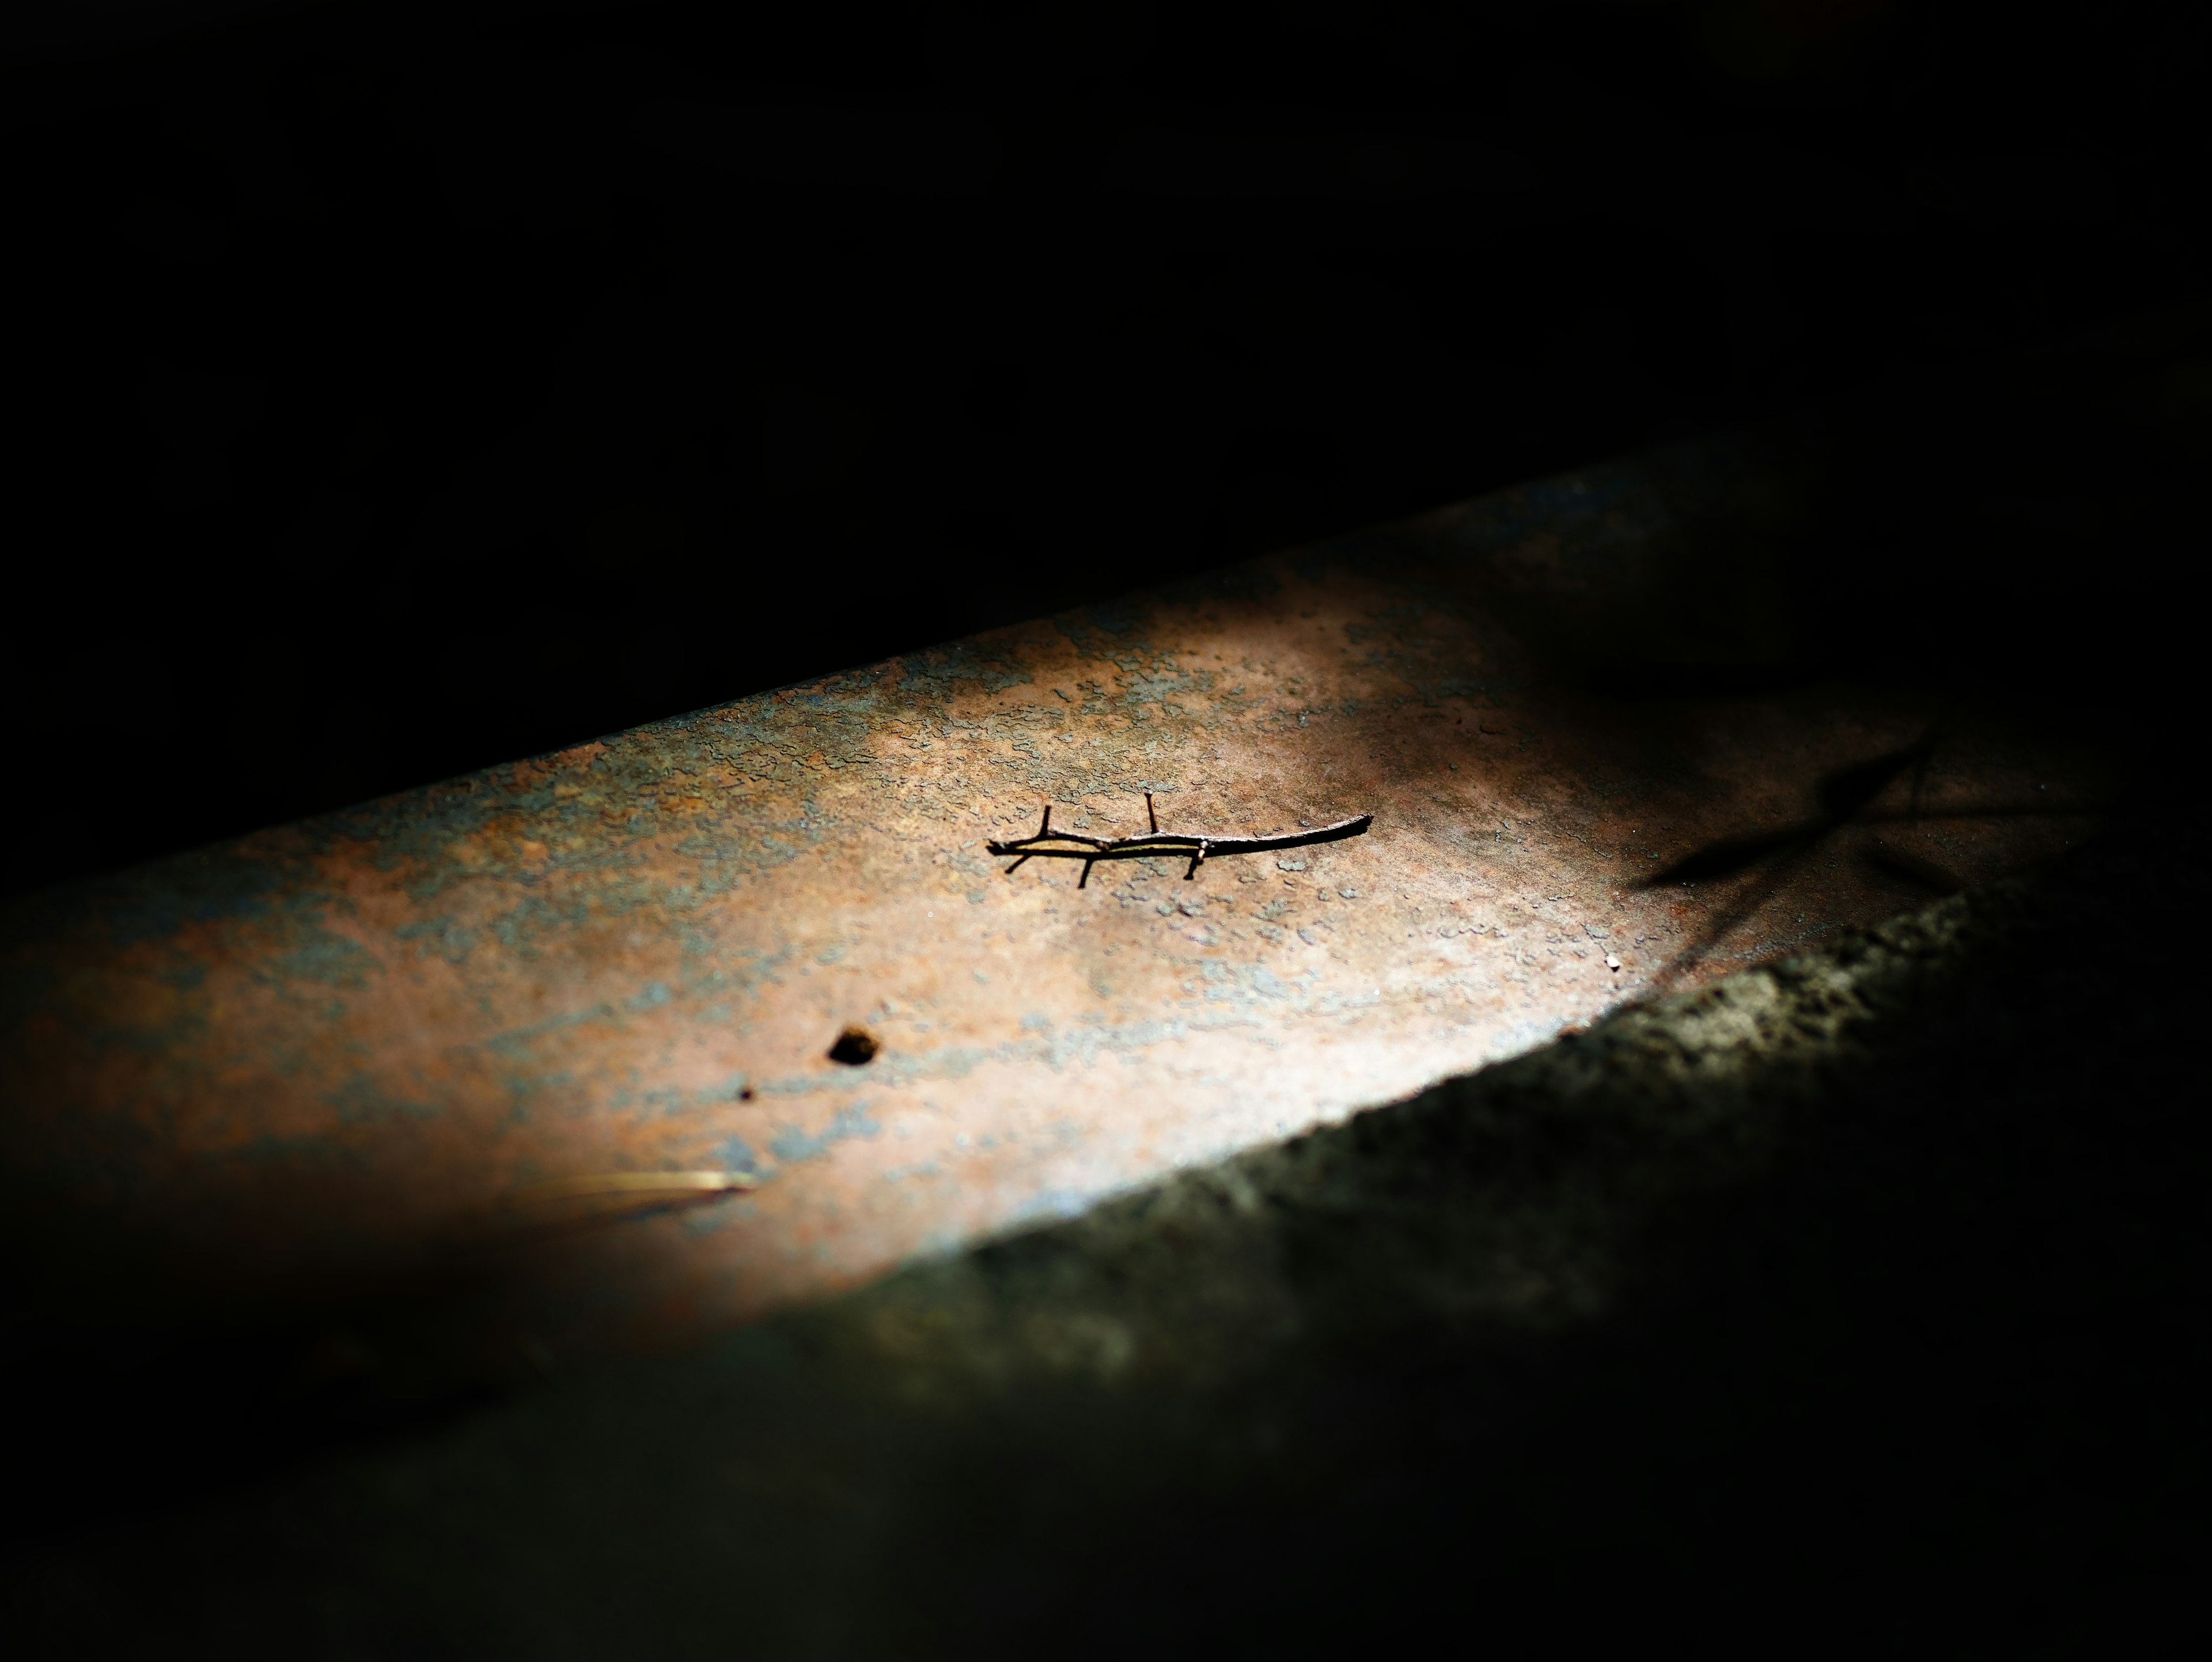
[(1045, 830), (1016, 866), (1084, 879), (1194, 859), (1149, 812)]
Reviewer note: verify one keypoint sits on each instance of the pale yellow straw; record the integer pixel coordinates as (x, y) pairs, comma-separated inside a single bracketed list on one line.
[(638, 1182)]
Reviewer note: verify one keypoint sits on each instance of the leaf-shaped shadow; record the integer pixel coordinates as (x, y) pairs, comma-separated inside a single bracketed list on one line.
[(1847, 791), (1894, 862), (1842, 795), (1729, 856)]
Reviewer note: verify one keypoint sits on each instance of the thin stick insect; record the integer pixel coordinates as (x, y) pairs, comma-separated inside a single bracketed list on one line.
[(1092, 849)]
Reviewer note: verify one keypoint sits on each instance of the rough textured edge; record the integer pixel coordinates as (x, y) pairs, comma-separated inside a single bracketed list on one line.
[(1524, 1197)]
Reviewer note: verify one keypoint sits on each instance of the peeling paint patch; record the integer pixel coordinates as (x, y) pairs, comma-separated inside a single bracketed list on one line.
[(792, 1145)]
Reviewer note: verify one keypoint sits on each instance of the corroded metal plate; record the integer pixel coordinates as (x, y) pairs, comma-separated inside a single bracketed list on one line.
[(333, 1052)]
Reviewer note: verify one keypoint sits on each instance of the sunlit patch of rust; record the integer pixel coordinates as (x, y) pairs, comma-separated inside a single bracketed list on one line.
[(292, 1119)]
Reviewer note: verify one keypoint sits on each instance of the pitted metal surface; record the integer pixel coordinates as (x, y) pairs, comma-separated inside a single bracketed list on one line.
[(330, 1053)]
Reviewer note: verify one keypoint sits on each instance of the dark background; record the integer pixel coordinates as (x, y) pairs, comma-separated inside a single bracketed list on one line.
[(397, 390)]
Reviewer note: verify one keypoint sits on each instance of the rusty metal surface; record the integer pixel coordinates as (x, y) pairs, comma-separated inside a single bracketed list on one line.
[(328, 1053)]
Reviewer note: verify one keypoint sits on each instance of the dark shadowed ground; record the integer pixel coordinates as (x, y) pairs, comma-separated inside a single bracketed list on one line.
[(1858, 1293)]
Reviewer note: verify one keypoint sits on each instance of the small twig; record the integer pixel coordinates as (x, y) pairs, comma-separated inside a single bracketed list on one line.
[(561, 1204), (1092, 849), (637, 1183)]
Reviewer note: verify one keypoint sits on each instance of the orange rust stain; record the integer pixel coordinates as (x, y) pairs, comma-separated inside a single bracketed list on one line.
[(637, 953)]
